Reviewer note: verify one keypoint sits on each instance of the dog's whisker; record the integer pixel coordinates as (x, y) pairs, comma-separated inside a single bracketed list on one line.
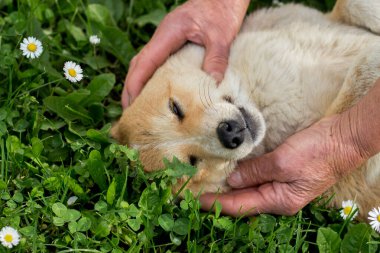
[(200, 96), (204, 92), (208, 95)]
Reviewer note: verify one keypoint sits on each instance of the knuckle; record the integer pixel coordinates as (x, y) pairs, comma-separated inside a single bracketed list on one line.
[(186, 23), (152, 63), (219, 59), (170, 16), (248, 175), (247, 179), (128, 89), (144, 59), (219, 43), (216, 62), (178, 16), (219, 51), (134, 61), (223, 44)]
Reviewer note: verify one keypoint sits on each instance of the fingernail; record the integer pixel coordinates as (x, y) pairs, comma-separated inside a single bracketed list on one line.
[(125, 100), (217, 76), (129, 99), (235, 180)]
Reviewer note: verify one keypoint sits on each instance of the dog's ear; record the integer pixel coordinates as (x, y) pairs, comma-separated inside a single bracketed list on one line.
[(119, 131), (116, 133)]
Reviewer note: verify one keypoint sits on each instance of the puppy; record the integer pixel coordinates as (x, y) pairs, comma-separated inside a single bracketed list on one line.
[(288, 67)]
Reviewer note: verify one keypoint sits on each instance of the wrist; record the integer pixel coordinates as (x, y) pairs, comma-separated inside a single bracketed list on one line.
[(366, 114), (345, 152), (355, 134), (362, 122)]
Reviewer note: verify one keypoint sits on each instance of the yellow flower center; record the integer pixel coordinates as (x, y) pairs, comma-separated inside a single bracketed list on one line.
[(347, 210), (72, 72), (8, 238), (378, 218), (32, 47)]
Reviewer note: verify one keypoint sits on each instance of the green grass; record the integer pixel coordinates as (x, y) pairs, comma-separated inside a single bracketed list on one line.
[(54, 144)]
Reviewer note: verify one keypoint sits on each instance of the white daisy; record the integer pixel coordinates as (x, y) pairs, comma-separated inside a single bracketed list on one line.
[(349, 209), (9, 237), (71, 200), (31, 47), (73, 72), (374, 216), (94, 39)]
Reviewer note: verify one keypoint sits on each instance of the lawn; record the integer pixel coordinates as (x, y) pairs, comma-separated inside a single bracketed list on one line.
[(65, 186)]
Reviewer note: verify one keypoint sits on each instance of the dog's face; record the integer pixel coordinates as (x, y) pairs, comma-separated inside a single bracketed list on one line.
[(181, 112)]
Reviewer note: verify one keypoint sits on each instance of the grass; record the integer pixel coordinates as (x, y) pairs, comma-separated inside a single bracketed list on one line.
[(54, 145)]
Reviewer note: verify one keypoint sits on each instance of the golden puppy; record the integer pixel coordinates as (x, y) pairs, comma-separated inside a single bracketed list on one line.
[(289, 67)]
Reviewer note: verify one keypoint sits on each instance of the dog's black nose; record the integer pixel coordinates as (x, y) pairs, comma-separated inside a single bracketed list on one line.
[(230, 134)]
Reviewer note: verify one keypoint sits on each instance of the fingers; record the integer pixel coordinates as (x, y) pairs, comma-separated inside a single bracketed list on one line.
[(216, 59), (255, 172), (166, 40), (125, 97), (268, 198)]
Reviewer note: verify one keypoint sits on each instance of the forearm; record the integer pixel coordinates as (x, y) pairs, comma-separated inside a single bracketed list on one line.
[(358, 130)]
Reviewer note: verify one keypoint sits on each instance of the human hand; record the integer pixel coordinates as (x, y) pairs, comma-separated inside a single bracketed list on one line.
[(210, 23), (303, 167)]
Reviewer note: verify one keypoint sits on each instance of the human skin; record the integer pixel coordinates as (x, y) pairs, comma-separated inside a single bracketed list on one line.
[(306, 164), (211, 23)]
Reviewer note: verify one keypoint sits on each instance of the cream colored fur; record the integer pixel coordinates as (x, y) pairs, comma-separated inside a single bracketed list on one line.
[(288, 67)]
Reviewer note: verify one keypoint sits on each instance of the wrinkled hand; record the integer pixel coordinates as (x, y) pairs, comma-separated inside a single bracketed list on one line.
[(285, 180), (210, 23)]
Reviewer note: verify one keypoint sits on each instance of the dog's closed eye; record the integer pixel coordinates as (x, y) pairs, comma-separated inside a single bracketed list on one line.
[(176, 109)]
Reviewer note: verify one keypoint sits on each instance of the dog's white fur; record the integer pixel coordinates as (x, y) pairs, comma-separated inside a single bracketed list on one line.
[(288, 67)]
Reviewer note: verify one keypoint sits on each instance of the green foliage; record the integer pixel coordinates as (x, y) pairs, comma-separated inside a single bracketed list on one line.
[(54, 144), (357, 238), (328, 240)]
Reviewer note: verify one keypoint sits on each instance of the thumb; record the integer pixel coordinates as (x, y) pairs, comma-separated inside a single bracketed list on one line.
[(253, 172), (216, 59)]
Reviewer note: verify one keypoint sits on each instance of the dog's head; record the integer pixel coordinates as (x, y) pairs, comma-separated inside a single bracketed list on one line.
[(181, 112)]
